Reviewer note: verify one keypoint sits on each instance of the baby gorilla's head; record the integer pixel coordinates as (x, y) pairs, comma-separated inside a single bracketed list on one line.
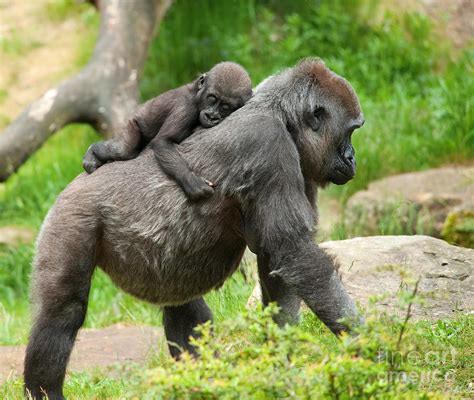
[(224, 89)]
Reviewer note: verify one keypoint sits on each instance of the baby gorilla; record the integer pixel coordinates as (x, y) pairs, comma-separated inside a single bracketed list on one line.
[(166, 120)]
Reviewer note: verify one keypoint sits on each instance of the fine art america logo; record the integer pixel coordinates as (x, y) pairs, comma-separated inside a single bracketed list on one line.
[(412, 360)]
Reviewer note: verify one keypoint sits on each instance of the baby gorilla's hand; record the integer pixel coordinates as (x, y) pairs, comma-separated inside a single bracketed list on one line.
[(197, 188), (91, 162)]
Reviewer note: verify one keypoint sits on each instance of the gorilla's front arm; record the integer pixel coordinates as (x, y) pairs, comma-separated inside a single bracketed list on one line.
[(280, 230)]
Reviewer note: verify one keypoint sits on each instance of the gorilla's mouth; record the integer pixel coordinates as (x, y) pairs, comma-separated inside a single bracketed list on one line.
[(206, 122), (340, 177)]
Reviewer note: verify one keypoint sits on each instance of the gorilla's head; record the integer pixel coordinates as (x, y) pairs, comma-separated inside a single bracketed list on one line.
[(321, 111)]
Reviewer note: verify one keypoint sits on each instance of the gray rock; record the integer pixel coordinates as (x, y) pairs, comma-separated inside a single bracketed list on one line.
[(384, 265), (421, 201)]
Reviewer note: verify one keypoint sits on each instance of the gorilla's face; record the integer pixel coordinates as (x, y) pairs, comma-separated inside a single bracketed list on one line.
[(340, 158), (223, 90), (321, 111), (331, 114)]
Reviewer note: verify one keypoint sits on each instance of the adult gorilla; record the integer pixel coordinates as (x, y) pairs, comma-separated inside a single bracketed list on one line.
[(137, 225)]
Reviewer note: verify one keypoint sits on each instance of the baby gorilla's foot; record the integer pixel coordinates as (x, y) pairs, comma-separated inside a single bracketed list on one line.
[(197, 188), (91, 162)]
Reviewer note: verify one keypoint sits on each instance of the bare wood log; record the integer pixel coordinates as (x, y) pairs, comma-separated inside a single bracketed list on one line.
[(103, 94)]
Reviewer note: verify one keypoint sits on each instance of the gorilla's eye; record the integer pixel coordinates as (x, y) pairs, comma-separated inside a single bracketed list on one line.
[(318, 112), (225, 107), (315, 118), (211, 99)]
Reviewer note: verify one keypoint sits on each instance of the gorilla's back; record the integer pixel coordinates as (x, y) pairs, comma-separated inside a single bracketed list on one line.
[(156, 244), (152, 241)]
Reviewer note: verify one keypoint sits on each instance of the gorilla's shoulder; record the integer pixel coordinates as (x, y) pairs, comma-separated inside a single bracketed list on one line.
[(260, 139), (243, 132), (269, 134), (258, 130), (255, 122)]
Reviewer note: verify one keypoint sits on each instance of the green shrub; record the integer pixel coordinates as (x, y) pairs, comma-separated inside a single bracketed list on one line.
[(251, 357)]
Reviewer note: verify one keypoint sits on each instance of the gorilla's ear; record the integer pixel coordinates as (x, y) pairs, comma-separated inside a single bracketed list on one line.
[(201, 81)]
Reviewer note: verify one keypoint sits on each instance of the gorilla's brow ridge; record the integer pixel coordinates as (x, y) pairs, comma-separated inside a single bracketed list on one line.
[(333, 85)]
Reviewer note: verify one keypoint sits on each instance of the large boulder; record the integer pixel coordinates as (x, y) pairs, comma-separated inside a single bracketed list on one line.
[(420, 202), (384, 265)]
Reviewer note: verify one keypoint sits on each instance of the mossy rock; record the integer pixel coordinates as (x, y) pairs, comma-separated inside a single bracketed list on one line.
[(412, 203), (458, 228)]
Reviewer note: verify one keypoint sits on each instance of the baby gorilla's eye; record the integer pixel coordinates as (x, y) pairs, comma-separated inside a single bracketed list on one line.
[(225, 107), (211, 99)]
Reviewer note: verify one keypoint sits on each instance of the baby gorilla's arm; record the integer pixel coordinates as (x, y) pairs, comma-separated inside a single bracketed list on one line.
[(177, 127)]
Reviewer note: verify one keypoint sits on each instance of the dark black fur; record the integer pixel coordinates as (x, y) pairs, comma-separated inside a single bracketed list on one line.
[(135, 223), (180, 321), (166, 120)]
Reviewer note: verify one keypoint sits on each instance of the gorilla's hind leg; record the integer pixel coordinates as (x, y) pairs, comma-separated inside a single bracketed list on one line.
[(60, 293), (180, 321)]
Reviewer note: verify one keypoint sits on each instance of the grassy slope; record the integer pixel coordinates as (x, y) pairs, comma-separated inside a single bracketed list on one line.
[(418, 106)]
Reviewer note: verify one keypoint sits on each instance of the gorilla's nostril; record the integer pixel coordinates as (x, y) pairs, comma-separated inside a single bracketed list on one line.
[(349, 154)]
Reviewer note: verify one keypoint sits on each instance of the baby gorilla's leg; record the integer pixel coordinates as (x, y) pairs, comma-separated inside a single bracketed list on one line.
[(123, 147), (97, 155), (91, 160)]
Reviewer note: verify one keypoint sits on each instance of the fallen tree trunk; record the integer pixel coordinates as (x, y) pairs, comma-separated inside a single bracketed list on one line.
[(103, 94)]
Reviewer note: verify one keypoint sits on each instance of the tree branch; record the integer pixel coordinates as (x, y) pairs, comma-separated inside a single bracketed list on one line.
[(103, 94)]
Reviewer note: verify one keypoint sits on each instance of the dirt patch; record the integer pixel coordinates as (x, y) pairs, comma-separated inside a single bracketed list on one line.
[(14, 235), (36, 53), (95, 348), (453, 19)]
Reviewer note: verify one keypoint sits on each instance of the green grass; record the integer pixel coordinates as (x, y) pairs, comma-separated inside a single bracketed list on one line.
[(59, 10), (16, 44), (3, 95), (416, 95), (249, 357)]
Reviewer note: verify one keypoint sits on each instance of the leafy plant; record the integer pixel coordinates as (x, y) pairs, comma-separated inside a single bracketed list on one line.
[(251, 357)]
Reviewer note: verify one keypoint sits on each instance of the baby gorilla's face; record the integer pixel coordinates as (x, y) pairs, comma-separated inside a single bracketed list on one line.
[(215, 107), (224, 89)]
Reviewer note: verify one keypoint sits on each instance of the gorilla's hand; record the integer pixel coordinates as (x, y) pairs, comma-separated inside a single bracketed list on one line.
[(196, 187)]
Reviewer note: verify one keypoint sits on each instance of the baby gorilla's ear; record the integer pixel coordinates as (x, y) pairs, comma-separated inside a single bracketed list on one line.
[(201, 81)]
